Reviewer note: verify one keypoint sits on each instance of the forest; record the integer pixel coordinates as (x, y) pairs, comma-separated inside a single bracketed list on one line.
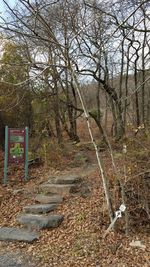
[(77, 74)]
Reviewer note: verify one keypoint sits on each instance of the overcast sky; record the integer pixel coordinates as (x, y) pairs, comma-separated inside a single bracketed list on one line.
[(3, 6)]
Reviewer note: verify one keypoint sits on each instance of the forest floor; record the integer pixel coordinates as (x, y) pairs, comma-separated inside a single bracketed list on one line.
[(79, 241)]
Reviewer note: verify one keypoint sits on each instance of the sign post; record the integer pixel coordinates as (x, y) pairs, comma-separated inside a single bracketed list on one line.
[(26, 154), (6, 156), (16, 149)]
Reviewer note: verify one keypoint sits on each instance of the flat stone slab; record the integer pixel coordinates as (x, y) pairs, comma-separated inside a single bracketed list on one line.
[(39, 208), (60, 189), (49, 199), (15, 259), (40, 221), (14, 234), (65, 179)]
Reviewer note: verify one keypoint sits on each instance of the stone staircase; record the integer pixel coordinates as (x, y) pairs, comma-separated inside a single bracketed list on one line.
[(61, 185), (38, 216)]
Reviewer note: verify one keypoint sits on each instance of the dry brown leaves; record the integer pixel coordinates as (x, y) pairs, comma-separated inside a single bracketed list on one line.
[(78, 241)]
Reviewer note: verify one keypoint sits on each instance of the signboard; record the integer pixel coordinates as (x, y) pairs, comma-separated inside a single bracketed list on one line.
[(16, 149), (16, 145)]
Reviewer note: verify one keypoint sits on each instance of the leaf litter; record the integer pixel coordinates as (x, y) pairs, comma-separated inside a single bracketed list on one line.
[(78, 241)]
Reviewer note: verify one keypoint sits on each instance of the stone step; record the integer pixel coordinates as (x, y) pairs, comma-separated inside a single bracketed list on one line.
[(39, 208), (65, 179), (40, 221), (14, 234), (15, 258), (49, 199), (60, 189)]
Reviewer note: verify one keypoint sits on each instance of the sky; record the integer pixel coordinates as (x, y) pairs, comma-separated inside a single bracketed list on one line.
[(3, 6)]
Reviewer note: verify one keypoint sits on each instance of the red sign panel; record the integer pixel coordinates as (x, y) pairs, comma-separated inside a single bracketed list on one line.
[(16, 145)]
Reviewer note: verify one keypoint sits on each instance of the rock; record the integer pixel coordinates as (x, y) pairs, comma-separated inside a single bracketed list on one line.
[(137, 244), (85, 191), (15, 259), (49, 199), (65, 179), (60, 189), (18, 191), (14, 234), (39, 208), (40, 221)]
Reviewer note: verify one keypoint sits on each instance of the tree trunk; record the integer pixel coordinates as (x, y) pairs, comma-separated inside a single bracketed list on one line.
[(143, 78), (136, 100), (57, 115), (116, 106)]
